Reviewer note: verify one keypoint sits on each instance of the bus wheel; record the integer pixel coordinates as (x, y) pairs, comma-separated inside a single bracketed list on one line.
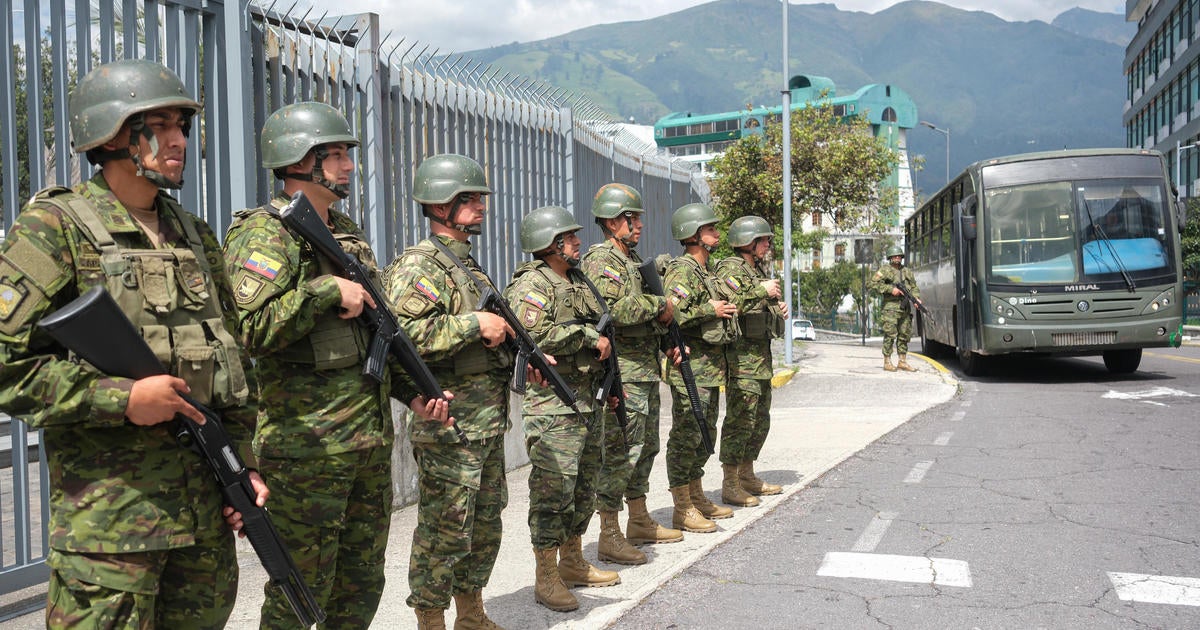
[(971, 363), (931, 348), (1122, 361)]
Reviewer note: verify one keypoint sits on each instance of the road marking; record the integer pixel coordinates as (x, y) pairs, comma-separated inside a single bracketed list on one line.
[(958, 416), (1156, 589), (1172, 357), (966, 403), (943, 439), (918, 472), (1153, 392), (874, 566), (874, 532)]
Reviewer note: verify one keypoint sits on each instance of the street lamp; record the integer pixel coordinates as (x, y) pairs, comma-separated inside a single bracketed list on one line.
[(1178, 173), (944, 132)]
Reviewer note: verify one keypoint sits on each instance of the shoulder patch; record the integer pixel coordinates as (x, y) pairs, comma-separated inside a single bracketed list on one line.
[(878, 275), (733, 283), (536, 299), (612, 273), (530, 317), (681, 291), (425, 287), (263, 265), (247, 289), (11, 296)]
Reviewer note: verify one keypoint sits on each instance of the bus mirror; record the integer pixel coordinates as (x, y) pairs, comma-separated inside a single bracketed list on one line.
[(967, 227)]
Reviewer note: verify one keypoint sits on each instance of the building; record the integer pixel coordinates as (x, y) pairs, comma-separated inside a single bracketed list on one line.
[(1162, 73), (699, 138)]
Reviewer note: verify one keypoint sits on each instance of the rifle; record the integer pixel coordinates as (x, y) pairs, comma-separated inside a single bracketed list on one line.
[(119, 350), (300, 217), (611, 385), (911, 299), (675, 338)]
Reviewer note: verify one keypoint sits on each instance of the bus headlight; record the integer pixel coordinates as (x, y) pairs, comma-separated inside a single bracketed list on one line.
[(1161, 301)]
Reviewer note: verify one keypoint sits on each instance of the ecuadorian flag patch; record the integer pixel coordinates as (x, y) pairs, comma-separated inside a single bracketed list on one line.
[(609, 272), (680, 291), (733, 284), (262, 265), (428, 289), (536, 299)]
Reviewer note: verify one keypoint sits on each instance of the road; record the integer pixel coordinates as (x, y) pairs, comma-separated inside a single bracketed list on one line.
[(1047, 495)]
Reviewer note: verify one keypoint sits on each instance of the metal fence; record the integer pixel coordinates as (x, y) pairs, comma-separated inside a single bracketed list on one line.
[(538, 145)]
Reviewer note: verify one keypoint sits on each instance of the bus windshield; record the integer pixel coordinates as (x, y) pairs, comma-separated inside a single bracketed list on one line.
[(1109, 230)]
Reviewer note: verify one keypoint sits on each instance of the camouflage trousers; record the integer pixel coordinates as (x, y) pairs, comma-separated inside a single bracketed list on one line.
[(747, 419), (333, 513), (625, 471), (565, 461), (685, 451), (897, 328), (181, 589), (463, 490)]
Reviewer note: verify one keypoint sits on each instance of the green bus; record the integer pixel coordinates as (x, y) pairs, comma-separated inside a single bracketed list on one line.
[(1055, 253)]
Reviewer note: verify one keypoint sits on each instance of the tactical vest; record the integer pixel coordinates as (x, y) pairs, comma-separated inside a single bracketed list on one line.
[(633, 285), (572, 302), (170, 297), (761, 319), (474, 358), (718, 331)]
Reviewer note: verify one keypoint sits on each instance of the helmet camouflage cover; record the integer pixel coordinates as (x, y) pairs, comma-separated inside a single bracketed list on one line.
[(111, 93), (542, 225), (440, 178), (688, 219), (744, 230), (612, 200), (894, 250), (293, 130)]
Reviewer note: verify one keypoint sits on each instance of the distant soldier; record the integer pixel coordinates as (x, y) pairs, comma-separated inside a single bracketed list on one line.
[(708, 320), (554, 303), (896, 315), (324, 439), (136, 534), (761, 316), (640, 318)]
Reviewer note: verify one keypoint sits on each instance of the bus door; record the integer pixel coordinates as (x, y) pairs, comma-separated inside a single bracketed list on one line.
[(966, 295)]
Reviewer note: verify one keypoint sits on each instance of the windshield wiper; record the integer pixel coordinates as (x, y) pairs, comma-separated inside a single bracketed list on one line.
[(1099, 231)]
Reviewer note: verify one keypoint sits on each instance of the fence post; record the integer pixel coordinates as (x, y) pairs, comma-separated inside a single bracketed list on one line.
[(240, 176)]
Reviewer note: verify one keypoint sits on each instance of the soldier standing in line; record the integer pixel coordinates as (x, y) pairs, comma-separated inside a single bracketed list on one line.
[(325, 429), (435, 287), (708, 322), (896, 315), (555, 304), (761, 316), (640, 319), (135, 533)]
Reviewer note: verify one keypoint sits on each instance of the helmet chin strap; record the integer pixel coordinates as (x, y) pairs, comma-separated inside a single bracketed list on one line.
[(317, 175), (138, 130), (473, 230)]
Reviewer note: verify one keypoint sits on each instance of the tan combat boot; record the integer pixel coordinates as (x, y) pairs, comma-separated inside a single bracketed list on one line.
[(887, 364), (431, 618), (686, 516), (548, 589), (752, 484), (732, 492), (470, 615), (643, 530), (903, 364), (575, 571), (706, 507), (613, 546)]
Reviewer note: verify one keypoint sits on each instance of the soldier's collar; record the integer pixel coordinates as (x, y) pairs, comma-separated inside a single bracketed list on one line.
[(462, 249)]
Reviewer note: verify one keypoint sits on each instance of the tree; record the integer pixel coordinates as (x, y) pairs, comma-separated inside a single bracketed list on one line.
[(823, 289), (1190, 245)]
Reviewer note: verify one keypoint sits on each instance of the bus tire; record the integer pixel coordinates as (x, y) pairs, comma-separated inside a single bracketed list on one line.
[(1122, 361), (971, 363)]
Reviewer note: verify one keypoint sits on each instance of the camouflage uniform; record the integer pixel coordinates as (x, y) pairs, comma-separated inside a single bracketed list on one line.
[(560, 315), (690, 287), (135, 534), (896, 315), (638, 341), (748, 384), (325, 430), (463, 488)]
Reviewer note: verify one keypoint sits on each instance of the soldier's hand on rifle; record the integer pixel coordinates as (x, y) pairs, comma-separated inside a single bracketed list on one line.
[(724, 309), (261, 492), (603, 347), (354, 296), (155, 399), (436, 410), (613, 402), (534, 375), (667, 314), (674, 356), (493, 328), (783, 309), (897, 292), (772, 287)]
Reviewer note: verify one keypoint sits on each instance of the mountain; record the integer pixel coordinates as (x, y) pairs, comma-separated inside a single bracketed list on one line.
[(1106, 27), (1000, 87)]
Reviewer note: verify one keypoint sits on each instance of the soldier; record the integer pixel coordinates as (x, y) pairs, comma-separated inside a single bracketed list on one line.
[(761, 316), (640, 324), (435, 287), (896, 314), (325, 429), (555, 304), (709, 322), (136, 536)]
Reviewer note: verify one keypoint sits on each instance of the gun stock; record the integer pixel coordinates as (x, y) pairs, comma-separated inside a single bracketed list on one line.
[(121, 351), (675, 338)]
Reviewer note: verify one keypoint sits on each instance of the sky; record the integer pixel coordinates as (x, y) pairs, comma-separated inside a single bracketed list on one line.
[(462, 25)]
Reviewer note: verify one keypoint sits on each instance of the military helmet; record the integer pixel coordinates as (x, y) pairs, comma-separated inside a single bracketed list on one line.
[(894, 250), (108, 95), (687, 220), (440, 178), (542, 225), (744, 230), (612, 200), (293, 130)]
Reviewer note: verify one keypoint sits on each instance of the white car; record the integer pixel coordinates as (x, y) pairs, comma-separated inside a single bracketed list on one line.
[(803, 330)]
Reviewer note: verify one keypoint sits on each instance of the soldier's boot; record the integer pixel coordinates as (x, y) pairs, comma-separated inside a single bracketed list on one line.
[(643, 530), (903, 364), (751, 482), (706, 507), (548, 588), (470, 614), (613, 546), (576, 571), (887, 364), (732, 492), (686, 516), (431, 618)]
